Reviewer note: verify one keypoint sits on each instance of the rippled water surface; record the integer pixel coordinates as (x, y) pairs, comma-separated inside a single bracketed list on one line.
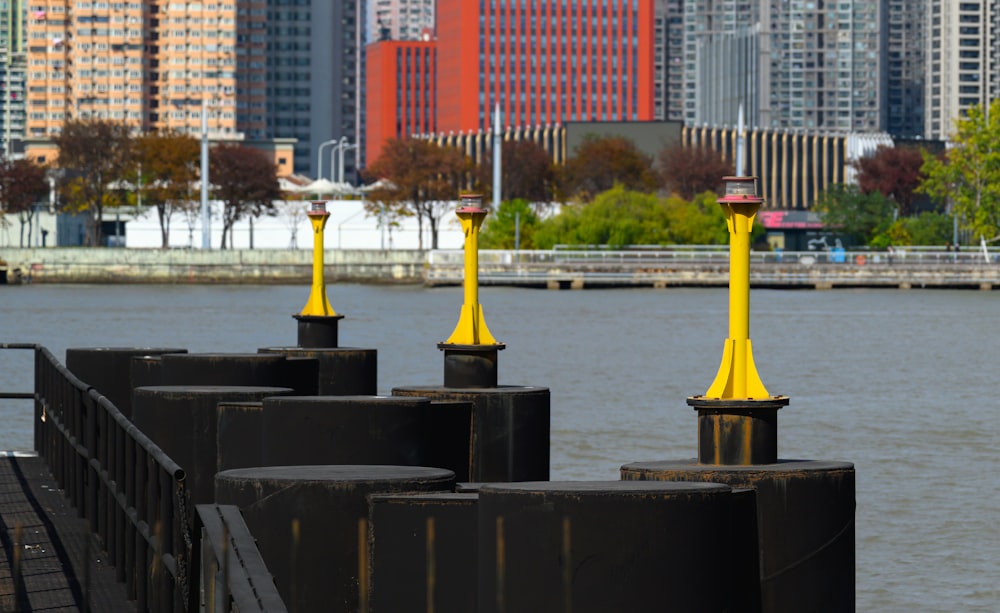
[(902, 383)]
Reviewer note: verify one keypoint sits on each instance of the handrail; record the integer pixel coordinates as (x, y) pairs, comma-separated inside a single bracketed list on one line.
[(234, 577), (131, 493)]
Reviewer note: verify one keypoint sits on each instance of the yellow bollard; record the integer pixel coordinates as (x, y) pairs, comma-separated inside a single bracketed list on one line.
[(471, 328), (737, 377), (318, 305)]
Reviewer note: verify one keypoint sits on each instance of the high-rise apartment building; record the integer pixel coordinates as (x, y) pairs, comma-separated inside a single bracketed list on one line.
[(961, 61), (314, 78), (905, 67), (399, 19), (668, 60), (152, 64), (543, 62), (820, 66), (12, 75)]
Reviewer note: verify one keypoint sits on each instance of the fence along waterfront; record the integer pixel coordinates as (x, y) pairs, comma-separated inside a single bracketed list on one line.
[(134, 499)]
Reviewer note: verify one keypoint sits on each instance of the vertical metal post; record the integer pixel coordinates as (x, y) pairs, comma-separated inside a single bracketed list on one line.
[(206, 232), (497, 161)]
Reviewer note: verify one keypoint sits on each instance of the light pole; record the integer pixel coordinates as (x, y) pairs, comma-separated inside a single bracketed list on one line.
[(319, 159), (336, 152), (343, 153)]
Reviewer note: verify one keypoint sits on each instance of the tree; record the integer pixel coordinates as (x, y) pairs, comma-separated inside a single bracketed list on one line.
[(22, 184), (928, 228), (526, 172), (512, 225), (969, 173), (94, 153), (166, 167), (601, 162), (848, 210), (245, 180), (700, 221), (616, 218), (420, 178), (689, 171), (893, 172)]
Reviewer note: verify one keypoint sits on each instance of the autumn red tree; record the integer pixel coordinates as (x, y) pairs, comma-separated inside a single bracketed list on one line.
[(689, 171), (601, 162), (419, 178), (22, 184), (167, 164), (94, 155), (526, 172), (246, 181), (893, 172)]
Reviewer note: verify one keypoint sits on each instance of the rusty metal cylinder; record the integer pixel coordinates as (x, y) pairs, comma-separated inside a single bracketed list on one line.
[(510, 430), (107, 369), (364, 430), (737, 432), (604, 546), (183, 421), (255, 369), (424, 555), (311, 524), (343, 371), (805, 526), (470, 366), (317, 331)]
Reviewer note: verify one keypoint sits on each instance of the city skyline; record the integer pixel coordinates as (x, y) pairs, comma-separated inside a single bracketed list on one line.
[(296, 69)]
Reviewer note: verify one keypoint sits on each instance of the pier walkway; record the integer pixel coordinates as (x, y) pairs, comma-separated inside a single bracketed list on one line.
[(50, 558)]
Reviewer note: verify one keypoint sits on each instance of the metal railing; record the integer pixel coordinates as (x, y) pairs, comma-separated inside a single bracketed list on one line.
[(132, 494)]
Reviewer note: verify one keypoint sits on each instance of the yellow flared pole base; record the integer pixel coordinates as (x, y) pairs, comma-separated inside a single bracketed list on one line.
[(471, 328), (318, 304), (731, 383)]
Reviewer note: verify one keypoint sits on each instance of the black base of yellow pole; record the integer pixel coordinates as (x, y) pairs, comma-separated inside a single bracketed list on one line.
[(737, 432), (317, 331), (470, 366)]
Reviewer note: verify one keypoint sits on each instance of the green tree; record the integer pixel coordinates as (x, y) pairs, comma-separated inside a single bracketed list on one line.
[(862, 216), (514, 220), (928, 228), (167, 164), (22, 184), (700, 221), (420, 178), (601, 162), (616, 218), (94, 154), (689, 171), (245, 180), (968, 175)]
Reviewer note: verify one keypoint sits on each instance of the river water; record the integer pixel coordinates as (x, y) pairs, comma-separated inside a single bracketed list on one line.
[(902, 383)]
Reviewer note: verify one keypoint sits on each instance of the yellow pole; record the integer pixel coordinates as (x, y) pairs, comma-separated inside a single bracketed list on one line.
[(318, 304), (737, 377), (471, 328)]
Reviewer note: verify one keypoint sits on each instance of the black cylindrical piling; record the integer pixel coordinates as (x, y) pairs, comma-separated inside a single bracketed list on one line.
[(183, 421), (424, 555), (108, 370), (510, 429), (805, 526), (362, 430), (343, 371), (737, 432), (310, 523), (144, 371), (256, 369), (604, 546), (240, 435), (317, 331), (470, 366)]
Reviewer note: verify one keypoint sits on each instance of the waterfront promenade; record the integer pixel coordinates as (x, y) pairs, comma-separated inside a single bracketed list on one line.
[(553, 269)]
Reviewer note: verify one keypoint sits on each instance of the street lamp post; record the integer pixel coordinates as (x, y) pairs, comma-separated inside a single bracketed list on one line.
[(343, 154), (319, 158), (335, 156)]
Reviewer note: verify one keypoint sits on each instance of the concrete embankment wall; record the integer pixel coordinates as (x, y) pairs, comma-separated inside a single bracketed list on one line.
[(100, 265)]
